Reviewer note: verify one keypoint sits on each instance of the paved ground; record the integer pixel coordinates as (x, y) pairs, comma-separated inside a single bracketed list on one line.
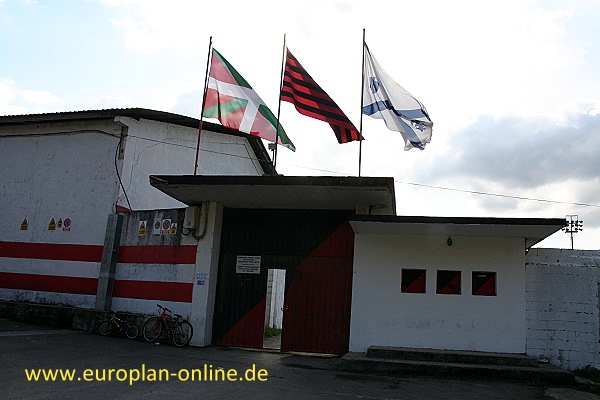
[(289, 376), (273, 342)]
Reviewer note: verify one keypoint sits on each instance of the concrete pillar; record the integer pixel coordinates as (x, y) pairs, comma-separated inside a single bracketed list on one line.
[(106, 276), (205, 276)]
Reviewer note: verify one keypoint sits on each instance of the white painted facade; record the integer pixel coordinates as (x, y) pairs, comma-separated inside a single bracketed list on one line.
[(140, 271), (382, 315), (56, 171), (207, 267), (62, 170), (66, 166), (563, 319), (275, 298), (158, 148)]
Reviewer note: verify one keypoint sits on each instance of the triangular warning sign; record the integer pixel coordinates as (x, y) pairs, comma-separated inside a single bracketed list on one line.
[(24, 225), (142, 228), (52, 225)]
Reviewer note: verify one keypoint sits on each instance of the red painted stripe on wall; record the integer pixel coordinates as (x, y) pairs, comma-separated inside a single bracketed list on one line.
[(147, 290), (48, 283), (157, 254), (52, 251)]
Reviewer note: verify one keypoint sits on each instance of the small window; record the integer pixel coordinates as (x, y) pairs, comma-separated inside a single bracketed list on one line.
[(484, 283), (413, 280), (448, 282)]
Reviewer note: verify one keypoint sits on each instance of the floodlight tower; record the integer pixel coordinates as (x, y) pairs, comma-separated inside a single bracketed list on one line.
[(574, 225)]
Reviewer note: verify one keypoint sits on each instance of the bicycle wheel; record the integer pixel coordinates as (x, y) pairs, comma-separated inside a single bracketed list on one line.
[(152, 329), (105, 328), (132, 331), (182, 333)]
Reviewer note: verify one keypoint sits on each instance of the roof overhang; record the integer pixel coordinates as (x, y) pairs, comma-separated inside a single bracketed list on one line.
[(282, 192), (533, 230)]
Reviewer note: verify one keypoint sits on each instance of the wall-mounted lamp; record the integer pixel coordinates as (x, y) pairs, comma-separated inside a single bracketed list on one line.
[(449, 241)]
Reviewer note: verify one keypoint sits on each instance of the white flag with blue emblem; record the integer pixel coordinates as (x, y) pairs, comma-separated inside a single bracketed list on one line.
[(385, 99)]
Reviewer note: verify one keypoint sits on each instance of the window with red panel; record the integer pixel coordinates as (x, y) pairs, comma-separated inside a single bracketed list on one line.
[(413, 280), (484, 283), (448, 282)]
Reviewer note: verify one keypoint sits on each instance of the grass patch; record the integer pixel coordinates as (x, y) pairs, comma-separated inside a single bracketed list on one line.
[(592, 374), (269, 332), (589, 372)]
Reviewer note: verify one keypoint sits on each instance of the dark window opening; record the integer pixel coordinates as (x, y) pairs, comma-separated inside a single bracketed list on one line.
[(413, 280), (448, 282), (484, 283)]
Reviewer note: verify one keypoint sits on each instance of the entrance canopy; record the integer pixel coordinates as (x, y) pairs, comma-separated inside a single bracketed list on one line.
[(534, 230), (372, 195)]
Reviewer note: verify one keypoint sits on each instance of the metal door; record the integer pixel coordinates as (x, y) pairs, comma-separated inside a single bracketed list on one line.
[(240, 310), (316, 315), (316, 249)]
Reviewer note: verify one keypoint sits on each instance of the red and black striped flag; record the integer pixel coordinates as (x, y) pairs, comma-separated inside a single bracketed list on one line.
[(300, 89)]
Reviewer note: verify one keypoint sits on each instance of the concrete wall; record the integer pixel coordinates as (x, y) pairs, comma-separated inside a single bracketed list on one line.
[(382, 315), (66, 173), (275, 298), (157, 148), (562, 306), (154, 266), (206, 272)]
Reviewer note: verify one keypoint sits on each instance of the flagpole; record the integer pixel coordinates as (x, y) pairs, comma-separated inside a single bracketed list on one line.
[(279, 105), (203, 103), (362, 93)]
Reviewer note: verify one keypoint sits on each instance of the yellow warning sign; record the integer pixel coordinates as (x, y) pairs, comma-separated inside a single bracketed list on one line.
[(142, 228), (52, 225), (173, 228), (24, 225), (60, 223)]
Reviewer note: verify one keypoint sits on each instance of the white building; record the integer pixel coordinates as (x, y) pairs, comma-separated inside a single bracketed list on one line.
[(64, 173), (94, 204), (442, 283)]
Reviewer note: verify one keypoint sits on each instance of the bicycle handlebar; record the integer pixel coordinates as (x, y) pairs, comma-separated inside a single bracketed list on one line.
[(164, 308)]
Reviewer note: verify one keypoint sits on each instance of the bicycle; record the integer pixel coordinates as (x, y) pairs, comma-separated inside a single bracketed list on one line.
[(180, 330), (106, 327)]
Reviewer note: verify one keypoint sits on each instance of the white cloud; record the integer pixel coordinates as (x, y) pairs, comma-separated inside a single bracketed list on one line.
[(15, 100), (154, 25), (104, 102), (525, 151)]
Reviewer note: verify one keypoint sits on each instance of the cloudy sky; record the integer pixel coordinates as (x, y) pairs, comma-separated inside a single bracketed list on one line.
[(513, 87)]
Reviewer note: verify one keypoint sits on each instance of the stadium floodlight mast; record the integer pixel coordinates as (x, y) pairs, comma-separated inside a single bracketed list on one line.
[(574, 225)]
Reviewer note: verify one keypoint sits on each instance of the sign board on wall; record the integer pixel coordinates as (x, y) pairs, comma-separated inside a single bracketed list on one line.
[(247, 265), (156, 228), (142, 228), (166, 227), (201, 278)]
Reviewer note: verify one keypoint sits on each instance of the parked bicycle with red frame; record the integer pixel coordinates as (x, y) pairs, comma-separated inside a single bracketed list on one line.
[(178, 328)]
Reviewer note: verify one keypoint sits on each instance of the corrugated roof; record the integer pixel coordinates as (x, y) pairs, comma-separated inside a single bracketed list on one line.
[(140, 113)]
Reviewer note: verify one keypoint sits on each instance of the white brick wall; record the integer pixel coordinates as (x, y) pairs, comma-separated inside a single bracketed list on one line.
[(563, 320)]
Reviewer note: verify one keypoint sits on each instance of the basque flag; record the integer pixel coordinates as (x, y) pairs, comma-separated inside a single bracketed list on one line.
[(385, 99)]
